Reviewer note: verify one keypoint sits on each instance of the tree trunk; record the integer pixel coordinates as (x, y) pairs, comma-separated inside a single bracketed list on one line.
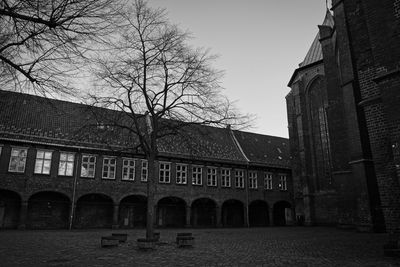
[(150, 196)]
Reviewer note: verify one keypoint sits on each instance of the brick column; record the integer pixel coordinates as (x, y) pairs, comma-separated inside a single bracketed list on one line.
[(22, 215), (271, 216), (218, 216), (245, 216), (187, 216), (115, 216)]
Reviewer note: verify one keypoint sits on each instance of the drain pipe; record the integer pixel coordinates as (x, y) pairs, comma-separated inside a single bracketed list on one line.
[(71, 219)]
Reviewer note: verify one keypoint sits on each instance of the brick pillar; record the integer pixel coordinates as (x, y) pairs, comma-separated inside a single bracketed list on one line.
[(72, 214), (271, 216), (246, 216), (22, 215), (218, 215), (187, 216), (115, 216)]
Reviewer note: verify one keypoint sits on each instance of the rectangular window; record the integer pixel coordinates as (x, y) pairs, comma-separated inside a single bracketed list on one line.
[(109, 166), (88, 166), (181, 173), (143, 177), (211, 176), (282, 182), (268, 181), (225, 177), (164, 174), (43, 162), (239, 179), (18, 159), (196, 175), (128, 169), (66, 165), (253, 179)]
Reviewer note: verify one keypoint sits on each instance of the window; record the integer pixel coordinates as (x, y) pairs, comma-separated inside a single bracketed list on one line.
[(282, 182), (88, 166), (66, 165), (18, 159), (252, 179), (225, 177), (212, 176), (109, 168), (239, 179), (181, 173), (164, 172), (43, 162), (268, 181), (128, 169), (144, 171), (196, 175)]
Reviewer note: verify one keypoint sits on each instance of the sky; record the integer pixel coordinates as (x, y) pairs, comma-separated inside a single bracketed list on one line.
[(259, 43)]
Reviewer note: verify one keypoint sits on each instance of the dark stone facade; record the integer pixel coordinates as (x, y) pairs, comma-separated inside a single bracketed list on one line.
[(346, 161)]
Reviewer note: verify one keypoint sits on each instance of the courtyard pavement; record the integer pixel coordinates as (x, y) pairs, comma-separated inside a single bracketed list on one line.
[(272, 246)]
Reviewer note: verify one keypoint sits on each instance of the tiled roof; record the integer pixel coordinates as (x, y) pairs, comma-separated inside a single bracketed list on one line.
[(314, 54), (36, 119), (264, 149)]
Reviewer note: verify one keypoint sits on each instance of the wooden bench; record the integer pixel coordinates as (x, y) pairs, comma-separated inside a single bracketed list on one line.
[(120, 236), (109, 241), (184, 240)]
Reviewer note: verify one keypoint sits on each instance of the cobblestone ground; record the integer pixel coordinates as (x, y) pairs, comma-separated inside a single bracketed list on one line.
[(275, 246)]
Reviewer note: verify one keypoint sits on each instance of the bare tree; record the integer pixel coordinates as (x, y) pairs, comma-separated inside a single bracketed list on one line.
[(161, 84), (44, 42)]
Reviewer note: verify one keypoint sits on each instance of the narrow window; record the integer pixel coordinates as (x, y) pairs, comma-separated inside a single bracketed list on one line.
[(143, 177), (88, 166), (181, 173), (18, 159), (128, 169), (268, 181), (212, 176), (253, 179), (109, 165), (66, 165), (43, 162), (282, 182), (164, 175), (225, 177), (196, 175), (239, 179)]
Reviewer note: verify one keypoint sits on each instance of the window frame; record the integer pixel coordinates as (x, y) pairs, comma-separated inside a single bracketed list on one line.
[(253, 184), (164, 173), (66, 163), (144, 171), (283, 182), (44, 159), (130, 169), (239, 179), (109, 165), (268, 181), (181, 172), (89, 164), (225, 177), (196, 175), (25, 158), (212, 177)]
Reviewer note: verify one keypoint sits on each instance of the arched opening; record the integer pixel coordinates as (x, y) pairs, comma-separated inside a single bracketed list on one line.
[(94, 211), (203, 213), (10, 205), (258, 213), (282, 213), (171, 212), (48, 210), (233, 213), (132, 211)]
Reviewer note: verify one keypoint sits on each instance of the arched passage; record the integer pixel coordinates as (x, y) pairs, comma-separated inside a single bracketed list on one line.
[(132, 211), (282, 213), (233, 213), (203, 213), (171, 212), (10, 205), (94, 211), (48, 210), (258, 213)]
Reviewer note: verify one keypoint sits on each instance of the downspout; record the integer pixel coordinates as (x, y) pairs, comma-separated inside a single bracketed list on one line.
[(247, 171), (71, 219)]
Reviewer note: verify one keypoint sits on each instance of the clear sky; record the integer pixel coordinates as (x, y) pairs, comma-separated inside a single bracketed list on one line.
[(259, 42)]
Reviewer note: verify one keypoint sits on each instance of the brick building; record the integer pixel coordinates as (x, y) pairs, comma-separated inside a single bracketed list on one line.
[(60, 165), (344, 119)]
